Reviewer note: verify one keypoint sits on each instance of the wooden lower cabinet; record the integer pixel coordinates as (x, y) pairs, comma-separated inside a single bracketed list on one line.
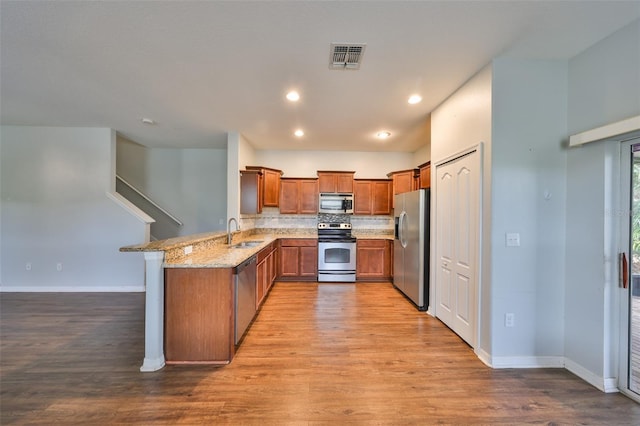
[(298, 259), (265, 272), (198, 315), (374, 260)]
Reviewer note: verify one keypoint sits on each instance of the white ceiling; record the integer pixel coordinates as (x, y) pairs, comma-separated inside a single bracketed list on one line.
[(203, 68)]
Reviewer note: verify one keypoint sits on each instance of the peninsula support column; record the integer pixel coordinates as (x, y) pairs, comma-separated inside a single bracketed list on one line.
[(154, 312)]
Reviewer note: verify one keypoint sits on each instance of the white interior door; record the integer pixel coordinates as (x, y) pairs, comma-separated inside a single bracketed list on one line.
[(457, 197)]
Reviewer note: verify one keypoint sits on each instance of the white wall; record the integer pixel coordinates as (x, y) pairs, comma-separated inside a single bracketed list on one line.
[(461, 122), (367, 165), (604, 84), (529, 104), (190, 184), (517, 110), (55, 209), (422, 155), (240, 153)]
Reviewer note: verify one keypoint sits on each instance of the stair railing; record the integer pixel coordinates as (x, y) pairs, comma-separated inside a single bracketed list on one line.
[(150, 201)]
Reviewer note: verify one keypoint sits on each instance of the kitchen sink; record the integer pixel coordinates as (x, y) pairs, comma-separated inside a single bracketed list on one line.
[(247, 244)]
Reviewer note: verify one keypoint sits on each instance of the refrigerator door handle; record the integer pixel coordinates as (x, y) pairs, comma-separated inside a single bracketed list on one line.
[(401, 230)]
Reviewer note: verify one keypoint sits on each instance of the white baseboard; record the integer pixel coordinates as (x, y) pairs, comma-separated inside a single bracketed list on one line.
[(520, 361), (528, 362), (484, 357), (609, 385), (72, 289)]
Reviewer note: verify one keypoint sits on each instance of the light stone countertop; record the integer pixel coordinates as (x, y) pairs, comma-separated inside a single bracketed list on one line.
[(223, 256), (210, 250)]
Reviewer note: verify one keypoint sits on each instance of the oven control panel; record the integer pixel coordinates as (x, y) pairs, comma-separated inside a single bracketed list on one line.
[(324, 225)]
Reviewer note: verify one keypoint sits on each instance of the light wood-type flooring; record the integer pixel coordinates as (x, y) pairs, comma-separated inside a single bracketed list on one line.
[(316, 354)]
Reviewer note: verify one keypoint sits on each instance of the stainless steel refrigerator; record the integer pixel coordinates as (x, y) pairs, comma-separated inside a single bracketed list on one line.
[(411, 246)]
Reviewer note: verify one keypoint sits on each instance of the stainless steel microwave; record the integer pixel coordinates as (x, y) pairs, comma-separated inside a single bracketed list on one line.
[(335, 203)]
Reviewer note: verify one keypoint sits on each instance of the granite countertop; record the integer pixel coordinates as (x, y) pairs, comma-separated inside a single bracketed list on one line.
[(210, 250), (222, 255), (176, 242), (372, 234)]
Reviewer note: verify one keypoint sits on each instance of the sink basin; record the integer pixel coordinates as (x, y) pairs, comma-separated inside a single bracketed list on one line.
[(247, 244)]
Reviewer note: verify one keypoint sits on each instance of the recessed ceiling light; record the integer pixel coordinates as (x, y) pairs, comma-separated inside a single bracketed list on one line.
[(383, 135), (147, 121), (414, 99), (293, 96), (299, 133)]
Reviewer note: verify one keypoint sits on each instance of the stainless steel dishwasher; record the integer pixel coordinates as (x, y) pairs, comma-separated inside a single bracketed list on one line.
[(245, 288)]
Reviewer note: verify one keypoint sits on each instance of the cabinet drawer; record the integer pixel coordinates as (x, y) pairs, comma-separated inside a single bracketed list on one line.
[(298, 242), (372, 243), (264, 252)]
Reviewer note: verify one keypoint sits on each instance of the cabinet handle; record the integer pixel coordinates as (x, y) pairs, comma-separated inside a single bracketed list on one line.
[(624, 270)]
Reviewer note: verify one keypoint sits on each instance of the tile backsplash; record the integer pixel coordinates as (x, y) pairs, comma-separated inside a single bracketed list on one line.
[(271, 218)]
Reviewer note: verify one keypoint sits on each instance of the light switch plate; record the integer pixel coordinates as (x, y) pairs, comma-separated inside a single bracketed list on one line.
[(513, 239)]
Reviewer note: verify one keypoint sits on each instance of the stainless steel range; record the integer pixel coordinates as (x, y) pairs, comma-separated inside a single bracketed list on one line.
[(336, 252)]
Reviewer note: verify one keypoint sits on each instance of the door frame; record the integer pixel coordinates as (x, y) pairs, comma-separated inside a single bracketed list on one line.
[(479, 148), (624, 245)]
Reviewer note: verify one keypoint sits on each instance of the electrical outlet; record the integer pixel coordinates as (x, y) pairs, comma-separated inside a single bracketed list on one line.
[(188, 249), (509, 319), (220, 221), (59, 266), (28, 266)]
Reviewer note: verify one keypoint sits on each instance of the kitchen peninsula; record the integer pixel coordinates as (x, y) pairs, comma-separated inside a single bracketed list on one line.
[(190, 310)]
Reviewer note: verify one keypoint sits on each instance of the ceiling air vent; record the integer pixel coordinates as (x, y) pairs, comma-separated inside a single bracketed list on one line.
[(346, 56)]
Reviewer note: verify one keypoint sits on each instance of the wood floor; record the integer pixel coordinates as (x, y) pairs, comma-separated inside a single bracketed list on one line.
[(316, 354)]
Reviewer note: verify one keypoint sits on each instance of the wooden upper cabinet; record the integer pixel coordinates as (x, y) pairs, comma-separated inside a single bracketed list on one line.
[(425, 175), (298, 195), (250, 192), (372, 196), (269, 185), (308, 203), (338, 182), (403, 181), (381, 197), (361, 196), (289, 194)]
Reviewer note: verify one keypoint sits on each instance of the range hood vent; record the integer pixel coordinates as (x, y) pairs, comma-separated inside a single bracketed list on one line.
[(346, 56)]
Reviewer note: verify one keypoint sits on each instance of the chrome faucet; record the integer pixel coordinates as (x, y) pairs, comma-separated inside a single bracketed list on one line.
[(229, 229)]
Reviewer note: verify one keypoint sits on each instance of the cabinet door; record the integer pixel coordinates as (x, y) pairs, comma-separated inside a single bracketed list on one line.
[(362, 197), (198, 325), (289, 194), (382, 199), (344, 183), (373, 260), (271, 187), (308, 196), (425, 177), (341, 182), (250, 201), (261, 277), (327, 182), (271, 268), (403, 182), (309, 261), (289, 261)]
